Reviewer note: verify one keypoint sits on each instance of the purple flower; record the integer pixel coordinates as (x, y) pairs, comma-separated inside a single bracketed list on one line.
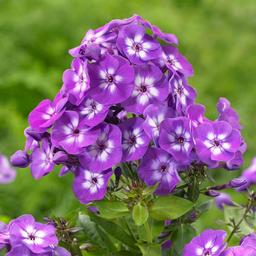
[(195, 113), (76, 81), (42, 160), (134, 141), (208, 243), (150, 87), (183, 95), (227, 113), (35, 236), (20, 159), (46, 113), (157, 166), (249, 241), (175, 138), (155, 115), (4, 235), (223, 199), (7, 173), (105, 152), (111, 80), (92, 111), (216, 142), (90, 186), (174, 61), (136, 45), (239, 251), (71, 133)]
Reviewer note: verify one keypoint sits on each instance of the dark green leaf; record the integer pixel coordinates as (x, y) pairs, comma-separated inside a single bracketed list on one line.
[(150, 249), (140, 214), (169, 207)]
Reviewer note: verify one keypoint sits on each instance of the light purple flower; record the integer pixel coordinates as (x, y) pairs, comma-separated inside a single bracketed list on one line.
[(134, 139), (155, 115), (105, 152), (195, 113), (208, 243), (174, 61), (227, 113), (71, 133), (183, 95), (136, 45), (35, 236), (76, 81), (151, 87), (46, 113), (90, 186), (249, 241), (7, 172), (176, 138), (42, 160), (216, 142), (157, 166), (4, 235), (223, 199), (111, 80), (92, 111)]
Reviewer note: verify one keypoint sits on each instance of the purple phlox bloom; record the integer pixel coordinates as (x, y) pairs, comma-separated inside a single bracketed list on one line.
[(239, 251), (223, 199), (183, 94), (247, 178), (195, 113), (76, 81), (42, 160), (176, 138), (105, 152), (111, 80), (92, 111), (155, 115), (7, 172), (151, 87), (37, 237), (174, 61), (228, 114), (157, 166), (89, 186), (249, 241), (136, 45), (134, 139), (71, 133), (217, 142), (46, 113), (208, 243), (20, 159), (32, 138), (236, 162)]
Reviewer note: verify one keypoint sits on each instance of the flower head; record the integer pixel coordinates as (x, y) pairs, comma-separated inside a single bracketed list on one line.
[(176, 138), (158, 166), (7, 173), (134, 139), (208, 243), (90, 186), (136, 45)]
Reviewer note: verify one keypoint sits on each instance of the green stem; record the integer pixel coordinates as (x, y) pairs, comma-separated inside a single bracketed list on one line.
[(148, 232)]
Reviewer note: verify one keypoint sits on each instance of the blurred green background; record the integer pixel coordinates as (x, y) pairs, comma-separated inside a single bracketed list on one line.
[(218, 37)]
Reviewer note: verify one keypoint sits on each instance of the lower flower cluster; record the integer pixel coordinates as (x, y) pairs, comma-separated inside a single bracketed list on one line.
[(212, 243), (25, 236)]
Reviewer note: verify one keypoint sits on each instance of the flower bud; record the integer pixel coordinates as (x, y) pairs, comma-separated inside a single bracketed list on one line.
[(212, 193), (20, 159), (60, 157)]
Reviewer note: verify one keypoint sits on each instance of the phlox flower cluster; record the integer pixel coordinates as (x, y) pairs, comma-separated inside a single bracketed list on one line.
[(25, 236), (126, 99)]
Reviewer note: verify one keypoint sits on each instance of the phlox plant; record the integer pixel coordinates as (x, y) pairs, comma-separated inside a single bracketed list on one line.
[(125, 124)]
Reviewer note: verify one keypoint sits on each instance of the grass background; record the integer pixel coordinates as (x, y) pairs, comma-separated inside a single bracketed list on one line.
[(218, 37)]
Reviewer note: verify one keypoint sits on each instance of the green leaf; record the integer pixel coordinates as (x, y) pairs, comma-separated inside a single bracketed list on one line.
[(150, 190), (115, 231), (150, 249), (181, 236), (169, 207), (140, 214), (111, 209)]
